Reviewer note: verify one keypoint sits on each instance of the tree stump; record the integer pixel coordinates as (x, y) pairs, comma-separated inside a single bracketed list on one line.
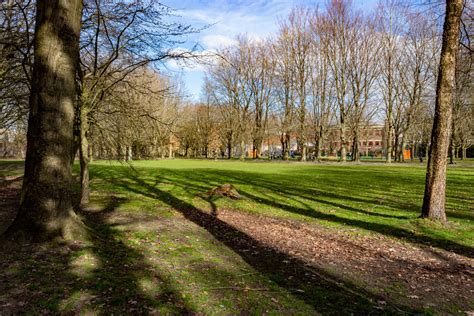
[(227, 190)]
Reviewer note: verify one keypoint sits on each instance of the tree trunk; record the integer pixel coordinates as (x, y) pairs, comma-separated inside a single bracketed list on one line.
[(303, 152), (355, 146), (76, 143), (242, 150), (452, 153), (285, 143), (46, 202), (84, 155), (402, 148), (90, 152), (229, 150), (317, 145), (258, 147), (343, 142), (388, 146), (129, 153), (303, 145), (435, 185)]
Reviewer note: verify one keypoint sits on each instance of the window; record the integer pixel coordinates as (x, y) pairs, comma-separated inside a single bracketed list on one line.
[(371, 144)]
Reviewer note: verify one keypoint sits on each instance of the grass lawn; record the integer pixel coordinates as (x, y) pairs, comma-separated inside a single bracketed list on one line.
[(370, 198), (160, 244)]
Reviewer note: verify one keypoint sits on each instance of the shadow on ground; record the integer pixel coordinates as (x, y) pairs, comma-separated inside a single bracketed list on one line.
[(204, 179), (327, 293), (101, 275)]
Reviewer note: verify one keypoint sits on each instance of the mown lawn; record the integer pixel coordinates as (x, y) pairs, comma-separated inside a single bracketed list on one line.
[(374, 198), (152, 250)]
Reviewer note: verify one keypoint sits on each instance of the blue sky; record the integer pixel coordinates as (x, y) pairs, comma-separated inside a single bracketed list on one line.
[(257, 19)]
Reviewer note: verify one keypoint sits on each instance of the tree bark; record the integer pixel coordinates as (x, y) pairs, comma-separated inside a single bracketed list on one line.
[(46, 202), (285, 143), (343, 141), (388, 153), (84, 155), (355, 146), (435, 185), (318, 143), (242, 150), (229, 150)]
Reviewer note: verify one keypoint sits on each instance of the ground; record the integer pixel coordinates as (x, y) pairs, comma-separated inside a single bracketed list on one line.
[(304, 238)]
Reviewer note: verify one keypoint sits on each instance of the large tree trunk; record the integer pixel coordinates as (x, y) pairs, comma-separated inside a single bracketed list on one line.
[(46, 205), (435, 185)]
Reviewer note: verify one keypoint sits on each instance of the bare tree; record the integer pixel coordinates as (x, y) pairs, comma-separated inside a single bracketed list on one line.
[(284, 87), (300, 43), (321, 90), (16, 63), (462, 135), (261, 82), (435, 187), (118, 38), (336, 26), (363, 72), (390, 23)]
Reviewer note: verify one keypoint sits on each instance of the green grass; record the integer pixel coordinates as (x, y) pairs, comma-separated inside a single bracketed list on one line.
[(372, 198), (152, 250)]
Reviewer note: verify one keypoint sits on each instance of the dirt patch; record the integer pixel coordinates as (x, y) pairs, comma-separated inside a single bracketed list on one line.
[(424, 277)]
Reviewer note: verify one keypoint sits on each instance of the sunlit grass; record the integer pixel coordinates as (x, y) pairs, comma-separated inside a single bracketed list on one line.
[(144, 256), (369, 197)]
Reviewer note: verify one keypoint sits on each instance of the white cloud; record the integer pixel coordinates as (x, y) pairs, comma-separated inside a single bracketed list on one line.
[(225, 20), (217, 41)]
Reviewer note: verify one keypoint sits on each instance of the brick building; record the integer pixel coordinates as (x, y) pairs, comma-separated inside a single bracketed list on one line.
[(371, 143)]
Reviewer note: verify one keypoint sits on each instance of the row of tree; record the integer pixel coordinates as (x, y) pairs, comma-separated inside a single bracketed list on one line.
[(325, 69), (336, 68), (77, 73), (121, 99)]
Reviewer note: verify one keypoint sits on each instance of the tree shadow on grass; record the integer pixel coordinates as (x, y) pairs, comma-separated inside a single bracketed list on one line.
[(191, 181), (101, 275), (288, 191), (383, 229), (324, 291)]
